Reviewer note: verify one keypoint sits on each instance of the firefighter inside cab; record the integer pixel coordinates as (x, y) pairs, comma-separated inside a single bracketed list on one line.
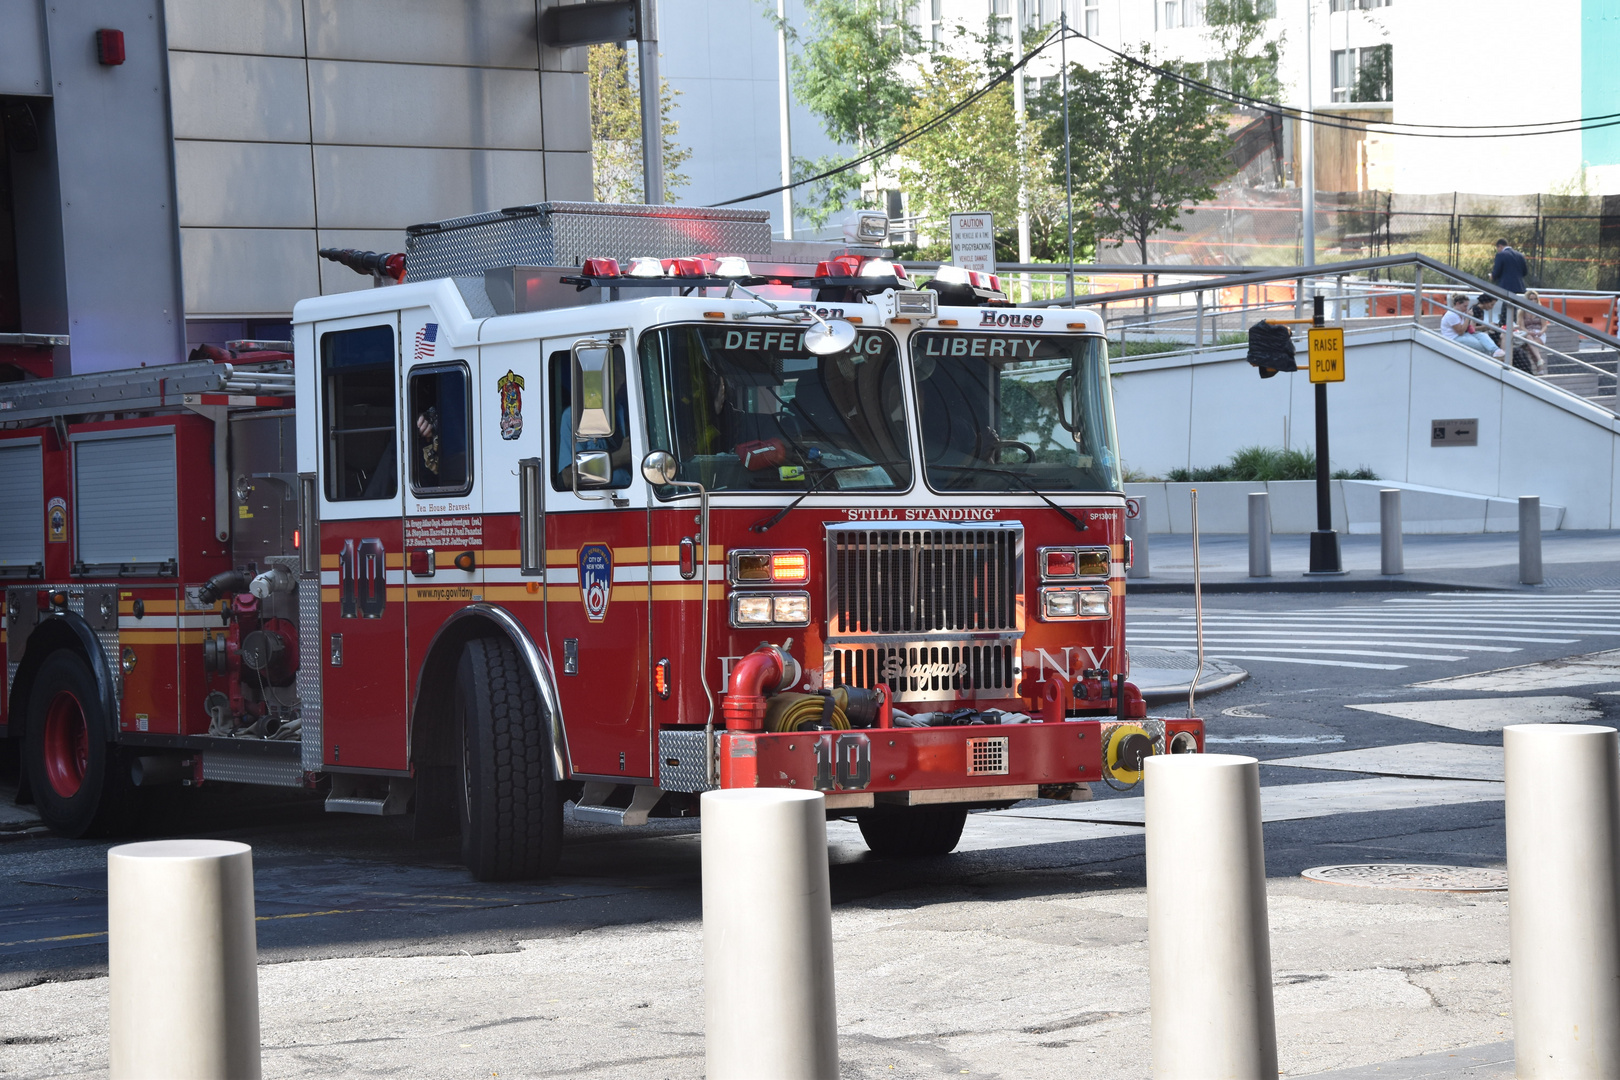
[(498, 538)]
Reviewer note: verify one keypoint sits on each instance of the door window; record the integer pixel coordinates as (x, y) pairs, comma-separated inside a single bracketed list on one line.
[(357, 376), (441, 425), (565, 445)]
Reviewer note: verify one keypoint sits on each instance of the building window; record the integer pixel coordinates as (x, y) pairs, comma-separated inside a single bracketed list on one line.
[(936, 24), (1091, 15), (1354, 5), (1001, 19), (1364, 74)]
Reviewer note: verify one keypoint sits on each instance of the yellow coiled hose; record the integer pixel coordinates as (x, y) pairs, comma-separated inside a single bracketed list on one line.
[(790, 712)]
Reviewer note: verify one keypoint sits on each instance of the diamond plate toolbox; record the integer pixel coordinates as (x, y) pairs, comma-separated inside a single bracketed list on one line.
[(568, 233)]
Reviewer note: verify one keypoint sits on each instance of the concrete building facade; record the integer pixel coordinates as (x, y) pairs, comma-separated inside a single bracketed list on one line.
[(180, 196)]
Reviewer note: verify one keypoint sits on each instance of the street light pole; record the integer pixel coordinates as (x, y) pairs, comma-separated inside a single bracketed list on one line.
[(652, 117), (1307, 154), (782, 105), (1018, 120), (1068, 167)]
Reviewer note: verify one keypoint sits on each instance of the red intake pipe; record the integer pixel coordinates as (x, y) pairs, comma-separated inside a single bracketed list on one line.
[(762, 672)]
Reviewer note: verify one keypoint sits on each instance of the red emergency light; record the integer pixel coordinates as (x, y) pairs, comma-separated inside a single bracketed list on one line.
[(109, 47), (600, 268)]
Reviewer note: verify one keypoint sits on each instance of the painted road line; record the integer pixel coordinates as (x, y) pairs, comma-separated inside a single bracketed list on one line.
[(1489, 714), (1423, 760), (1346, 652), (1294, 802), (1312, 663), (1585, 670), (1271, 640)]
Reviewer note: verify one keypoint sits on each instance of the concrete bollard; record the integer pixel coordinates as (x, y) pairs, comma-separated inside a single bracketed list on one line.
[(1259, 534), (1392, 559), (1563, 849), (1137, 529), (769, 1004), (182, 961), (1209, 946), (1529, 539)]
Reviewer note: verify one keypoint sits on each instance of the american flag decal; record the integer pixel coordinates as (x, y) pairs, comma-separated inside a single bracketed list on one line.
[(425, 339)]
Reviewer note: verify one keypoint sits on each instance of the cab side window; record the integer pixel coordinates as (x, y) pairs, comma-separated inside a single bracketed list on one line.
[(441, 425), (560, 366), (357, 387)]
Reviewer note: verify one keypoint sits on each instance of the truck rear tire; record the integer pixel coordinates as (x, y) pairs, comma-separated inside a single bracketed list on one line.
[(510, 804), (910, 831), (80, 781)]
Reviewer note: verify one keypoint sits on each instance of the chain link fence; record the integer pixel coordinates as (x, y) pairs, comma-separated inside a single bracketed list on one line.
[(1570, 241)]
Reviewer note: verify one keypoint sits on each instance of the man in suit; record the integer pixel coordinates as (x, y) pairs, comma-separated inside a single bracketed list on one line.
[(1507, 273)]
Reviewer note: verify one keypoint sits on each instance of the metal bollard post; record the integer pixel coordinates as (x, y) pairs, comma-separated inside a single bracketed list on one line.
[(1393, 559), (182, 961), (769, 1003), (1209, 947), (1530, 539), (1137, 529), (1259, 534), (1563, 849)]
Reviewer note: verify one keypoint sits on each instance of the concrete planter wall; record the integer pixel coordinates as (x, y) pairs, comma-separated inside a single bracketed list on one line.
[(1224, 508)]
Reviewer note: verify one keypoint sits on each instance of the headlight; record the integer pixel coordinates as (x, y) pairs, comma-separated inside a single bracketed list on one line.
[(1059, 563), (770, 609), (793, 608), (752, 609), (1076, 603)]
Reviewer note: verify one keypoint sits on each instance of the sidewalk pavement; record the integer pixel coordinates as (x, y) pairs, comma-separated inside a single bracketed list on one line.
[(1571, 559)]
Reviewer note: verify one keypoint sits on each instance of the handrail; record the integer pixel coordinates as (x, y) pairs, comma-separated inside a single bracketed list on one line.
[(1321, 270)]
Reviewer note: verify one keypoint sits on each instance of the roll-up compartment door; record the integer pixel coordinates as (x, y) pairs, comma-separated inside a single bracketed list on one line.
[(22, 504), (124, 498)]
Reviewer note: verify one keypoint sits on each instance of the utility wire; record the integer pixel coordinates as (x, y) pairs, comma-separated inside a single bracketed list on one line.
[(1468, 131), (1308, 116)]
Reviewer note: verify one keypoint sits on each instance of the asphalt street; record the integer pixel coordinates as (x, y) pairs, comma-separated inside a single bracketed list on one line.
[(1021, 955)]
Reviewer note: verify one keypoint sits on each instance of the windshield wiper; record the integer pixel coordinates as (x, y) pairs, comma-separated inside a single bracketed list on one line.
[(1025, 484), (815, 486)]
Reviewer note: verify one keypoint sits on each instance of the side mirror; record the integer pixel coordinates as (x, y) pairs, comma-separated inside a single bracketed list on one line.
[(659, 468), (592, 403), (826, 338), (592, 469)]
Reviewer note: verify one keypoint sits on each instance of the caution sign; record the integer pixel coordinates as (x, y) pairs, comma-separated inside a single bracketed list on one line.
[(1327, 353)]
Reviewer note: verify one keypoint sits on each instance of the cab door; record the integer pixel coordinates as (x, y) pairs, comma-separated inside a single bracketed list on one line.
[(597, 588), (358, 395), (444, 543)]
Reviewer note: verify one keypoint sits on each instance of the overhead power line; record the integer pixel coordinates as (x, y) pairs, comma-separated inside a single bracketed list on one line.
[(1288, 112)]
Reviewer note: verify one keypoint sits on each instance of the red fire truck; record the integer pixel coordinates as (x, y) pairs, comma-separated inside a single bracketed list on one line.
[(610, 505)]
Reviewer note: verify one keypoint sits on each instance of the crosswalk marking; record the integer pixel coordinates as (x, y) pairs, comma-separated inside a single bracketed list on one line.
[(1442, 628)]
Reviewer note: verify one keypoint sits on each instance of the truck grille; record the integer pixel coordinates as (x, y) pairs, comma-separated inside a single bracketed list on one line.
[(939, 580), (923, 671)]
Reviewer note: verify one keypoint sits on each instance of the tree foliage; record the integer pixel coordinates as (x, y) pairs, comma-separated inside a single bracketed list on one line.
[(850, 74), (615, 102), (1142, 147), (1248, 57)]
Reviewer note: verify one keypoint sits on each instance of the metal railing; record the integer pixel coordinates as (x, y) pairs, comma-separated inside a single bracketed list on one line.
[(1202, 308)]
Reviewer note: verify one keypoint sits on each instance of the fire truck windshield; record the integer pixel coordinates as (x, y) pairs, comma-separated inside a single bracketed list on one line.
[(745, 407), (1010, 412)]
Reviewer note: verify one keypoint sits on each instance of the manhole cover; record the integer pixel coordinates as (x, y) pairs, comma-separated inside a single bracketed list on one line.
[(1412, 876)]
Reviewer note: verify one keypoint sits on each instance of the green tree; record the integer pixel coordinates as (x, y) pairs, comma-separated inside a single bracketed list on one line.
[(849, 73), (1248, 57), (1143, 146), (615, 102)]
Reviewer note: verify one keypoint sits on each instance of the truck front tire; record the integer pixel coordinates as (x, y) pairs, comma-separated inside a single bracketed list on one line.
[(910, 831), (510, 805), (80, 781)]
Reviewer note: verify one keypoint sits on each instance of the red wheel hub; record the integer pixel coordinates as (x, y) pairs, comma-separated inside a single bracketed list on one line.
[(66, 744)]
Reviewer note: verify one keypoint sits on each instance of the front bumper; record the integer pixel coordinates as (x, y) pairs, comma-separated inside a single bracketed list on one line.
[(980, 763)]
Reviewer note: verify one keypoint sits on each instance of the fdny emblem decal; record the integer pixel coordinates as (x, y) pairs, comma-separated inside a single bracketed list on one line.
[(511, 387), (595, 579), (56, 520)]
